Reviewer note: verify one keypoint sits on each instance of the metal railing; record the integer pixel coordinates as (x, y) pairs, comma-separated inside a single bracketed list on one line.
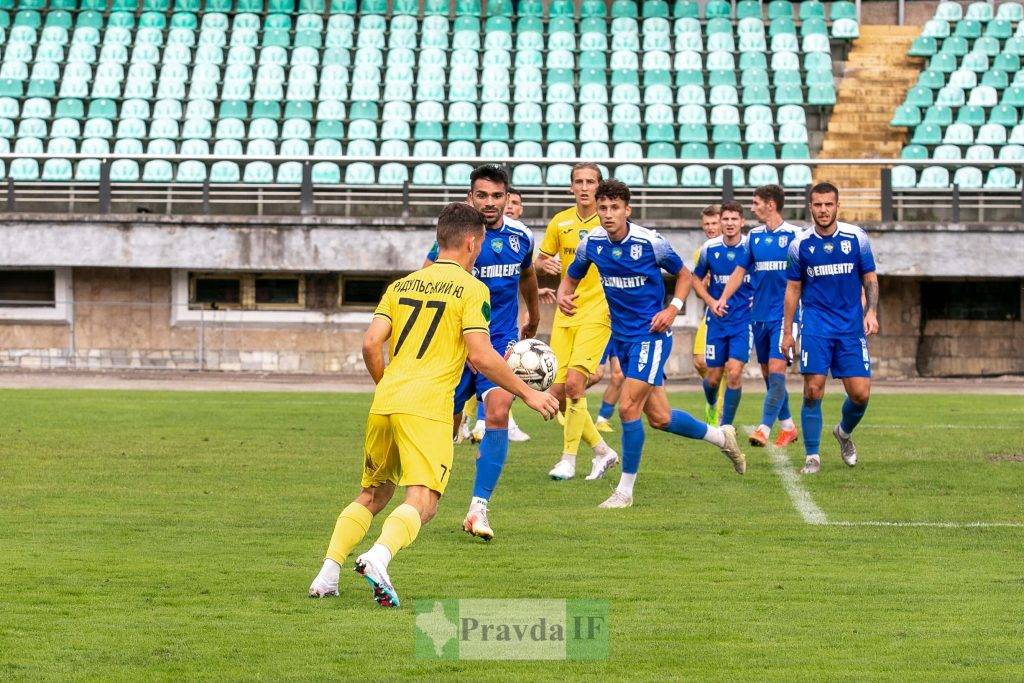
[(307, 197)]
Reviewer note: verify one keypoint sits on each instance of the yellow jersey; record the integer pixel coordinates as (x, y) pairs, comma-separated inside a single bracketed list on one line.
[(429, 311), (561, 238)]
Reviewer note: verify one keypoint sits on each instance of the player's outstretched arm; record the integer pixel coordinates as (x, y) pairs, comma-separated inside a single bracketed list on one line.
[(374, 340), (792, 300), (487, 361), (566, 295), (528, 290), (734, 283), (870, 283)]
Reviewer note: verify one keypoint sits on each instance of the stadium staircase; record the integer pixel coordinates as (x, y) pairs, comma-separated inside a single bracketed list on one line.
[(878, 74)]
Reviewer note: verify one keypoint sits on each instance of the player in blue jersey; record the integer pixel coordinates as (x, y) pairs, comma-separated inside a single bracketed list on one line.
[(505, 265), (829, 267), (629, 260), (765, 262), (727, 348)]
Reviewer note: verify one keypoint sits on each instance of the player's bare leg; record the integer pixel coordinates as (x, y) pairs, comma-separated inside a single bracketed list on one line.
[(399, 530), (858, 392), (489, 463), (611, 396), (580, 426), (350, 528), (810, 421)]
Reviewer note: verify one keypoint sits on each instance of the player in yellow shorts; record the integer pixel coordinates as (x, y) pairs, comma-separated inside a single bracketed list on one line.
[(579, 342), (709, 223), (441, 316)]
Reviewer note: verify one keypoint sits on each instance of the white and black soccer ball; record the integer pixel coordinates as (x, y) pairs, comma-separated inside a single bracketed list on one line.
[(534, 362)]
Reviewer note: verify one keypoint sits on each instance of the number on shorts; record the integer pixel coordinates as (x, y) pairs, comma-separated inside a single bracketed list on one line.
[(416, 305)]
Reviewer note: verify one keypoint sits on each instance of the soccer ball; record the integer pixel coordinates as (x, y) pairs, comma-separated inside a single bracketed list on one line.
[(534, 362)]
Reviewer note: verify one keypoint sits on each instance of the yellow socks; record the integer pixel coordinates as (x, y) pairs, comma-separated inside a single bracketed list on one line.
[(400, 528), (575, 416), (350, 528)]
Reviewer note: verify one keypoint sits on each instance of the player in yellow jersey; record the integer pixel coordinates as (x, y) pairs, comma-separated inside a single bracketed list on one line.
[(710, 217), (578, 341), (440, 316)]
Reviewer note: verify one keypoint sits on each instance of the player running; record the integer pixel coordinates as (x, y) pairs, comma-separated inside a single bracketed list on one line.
[(441, 315), (829, 265), (505, 265), (580, 340), (728, 338), (767, 246), (629, 260), (710, 223)]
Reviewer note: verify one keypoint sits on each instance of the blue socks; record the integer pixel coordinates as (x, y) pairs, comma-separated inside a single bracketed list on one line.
[(710, 393), (810, 421), (632, 445), (606, 410), (493, 451), (852, 413), (774, 399), (684, 424), (784, 413), (731, 403)]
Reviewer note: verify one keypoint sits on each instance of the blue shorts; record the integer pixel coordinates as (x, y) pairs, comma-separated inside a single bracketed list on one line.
[(609, 352), (726, 343), (844, 356), (767, 340), (644, 359), (476, 383)]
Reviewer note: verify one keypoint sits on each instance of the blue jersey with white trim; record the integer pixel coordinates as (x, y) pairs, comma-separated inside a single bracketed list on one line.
[(830, 270), (505, 253), (767, 252), (719, 259), (630, 273)]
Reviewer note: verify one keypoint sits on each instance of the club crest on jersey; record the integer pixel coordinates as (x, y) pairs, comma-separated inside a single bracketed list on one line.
[(513, 242), (497, 245), (846, 246), (767, 240), (730, 255), (617, 252), (829, 248), (635, 251), (783, 241), (583, 233)]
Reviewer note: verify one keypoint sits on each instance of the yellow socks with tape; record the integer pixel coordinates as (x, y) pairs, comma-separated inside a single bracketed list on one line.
[(576, 415), (400, 528), (350, 528)]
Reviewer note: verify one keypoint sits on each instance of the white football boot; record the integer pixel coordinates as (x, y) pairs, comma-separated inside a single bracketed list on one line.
[(477, 524), (563, 470), (600, 465), (812, 465), (514, 432), (731, 449), (618, 499), (847, 451), (376, 574), (325, 585), (476, 435)]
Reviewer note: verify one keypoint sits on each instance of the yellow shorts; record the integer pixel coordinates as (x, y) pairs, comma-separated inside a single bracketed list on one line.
[(407, 450), (699, 338), (579, 347)]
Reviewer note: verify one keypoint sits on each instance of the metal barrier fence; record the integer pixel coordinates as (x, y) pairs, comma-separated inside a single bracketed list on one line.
[(309, 198)]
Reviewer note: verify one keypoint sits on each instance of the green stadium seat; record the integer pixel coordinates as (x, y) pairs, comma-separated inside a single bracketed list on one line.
[(717, 9), (1001, 178), (906, 115), (1004, 115), (923, 46), (795, 150), (797, 175)]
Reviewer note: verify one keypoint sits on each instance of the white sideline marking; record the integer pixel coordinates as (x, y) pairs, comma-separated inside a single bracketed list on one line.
[(798, 495), (812, 514)]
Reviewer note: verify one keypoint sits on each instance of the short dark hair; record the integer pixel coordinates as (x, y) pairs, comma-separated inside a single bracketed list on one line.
[(495, 174), (612, 189), (825, 187), (583, 165), (773, 193), (711, 210), (515, 191), (735, 207), (455, 221)]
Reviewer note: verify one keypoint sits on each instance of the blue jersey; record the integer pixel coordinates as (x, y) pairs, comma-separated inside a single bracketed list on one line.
[(719, 259), (630, 273), (506, 252), (767, 251), (829, 270)]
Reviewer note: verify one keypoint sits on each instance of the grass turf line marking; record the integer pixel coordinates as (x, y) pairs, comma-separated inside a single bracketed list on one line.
[(798, 495), (941, 525)]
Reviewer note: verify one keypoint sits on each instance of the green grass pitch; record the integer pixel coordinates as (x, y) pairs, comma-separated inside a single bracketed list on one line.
[(173, 535)]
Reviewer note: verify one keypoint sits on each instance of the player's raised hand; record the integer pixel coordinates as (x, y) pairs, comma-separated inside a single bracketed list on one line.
[(720, 308), (788, 345), (543, 402), (567, 303), (662, 320), (870, 323), (550, 266)]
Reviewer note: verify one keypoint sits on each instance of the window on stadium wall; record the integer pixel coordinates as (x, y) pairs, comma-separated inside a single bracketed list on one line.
[(325, 292), (27, 288), (971, 299)]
